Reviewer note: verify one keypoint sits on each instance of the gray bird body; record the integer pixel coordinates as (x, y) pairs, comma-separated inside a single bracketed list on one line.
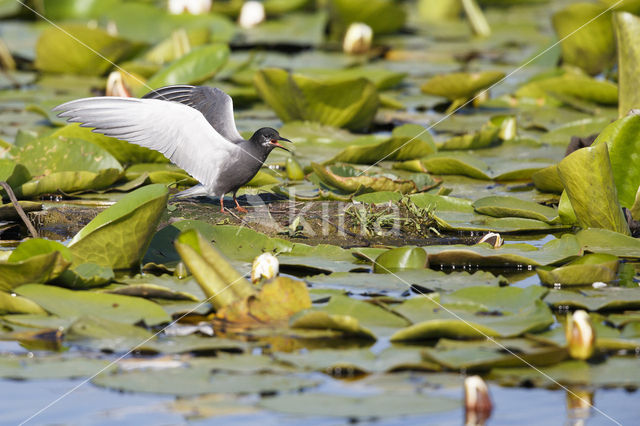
[(192, 126)]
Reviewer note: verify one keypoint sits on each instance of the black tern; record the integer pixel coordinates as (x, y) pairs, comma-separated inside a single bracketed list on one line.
[(193, 126)]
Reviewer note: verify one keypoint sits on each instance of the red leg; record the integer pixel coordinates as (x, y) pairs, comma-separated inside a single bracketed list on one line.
[(238, 207), (222, 204)]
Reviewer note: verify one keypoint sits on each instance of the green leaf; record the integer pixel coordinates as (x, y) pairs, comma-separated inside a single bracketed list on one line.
[(297, 29), (221, 283), (364, 183), (124, 152), (461, 85), (359, 407), (14, 304), (587, 176), (445, 163), (394, 149), (383, 16), (62, 50), (592, 49), (605, 241), (623, 139), (119, 236), (68, 182), (572, 85), (609, 299), (348, 103), (499, 206), (68, 303), (13, 173), (548, 180), (628, 37), (400, 258), (584, 270), (85, 275), (196, 66), (33, 261), (383, 78)]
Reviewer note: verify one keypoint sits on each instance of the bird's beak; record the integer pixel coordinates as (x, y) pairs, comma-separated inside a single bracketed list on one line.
[(275, 142)]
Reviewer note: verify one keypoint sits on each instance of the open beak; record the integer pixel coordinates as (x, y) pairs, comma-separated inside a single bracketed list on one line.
[(275, 142)]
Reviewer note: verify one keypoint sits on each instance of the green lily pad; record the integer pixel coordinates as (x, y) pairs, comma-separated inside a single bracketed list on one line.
[(572, 85), (33, 261), (348, 103), (584, 270), (609, 299), (124, 152), (400, 258), (298, 29), (105, 335), (548, 180), (196, 66), (461, 85), (364, 407), (381, 77), (624, 149), (514, 207), (364, 183), (51, 367), (119, 236), (605, 241), (68, 182), (69, 303), (199, 379), (456, 164), (13, 173), (501, 312), (615, 372), (14, 304), (484, 355), (85, 275), (627, 33), (587, 176), (383, 16), (57, 52), (394, 149)]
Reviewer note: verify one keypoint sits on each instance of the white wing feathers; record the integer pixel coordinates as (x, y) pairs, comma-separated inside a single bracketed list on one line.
[(179, 132)]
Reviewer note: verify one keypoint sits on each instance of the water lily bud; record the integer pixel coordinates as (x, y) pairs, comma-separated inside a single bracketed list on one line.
[(358, 38), (477, 401), (265, 266), (194, 7), (581, 336), (251, 14), (293, 168), (181, 270), (492, 238), (116, 85)]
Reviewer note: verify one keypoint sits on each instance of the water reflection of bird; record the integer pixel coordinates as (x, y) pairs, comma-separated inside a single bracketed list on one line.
[(193, 126)]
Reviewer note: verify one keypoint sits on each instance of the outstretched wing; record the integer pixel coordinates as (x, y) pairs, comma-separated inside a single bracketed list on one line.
[(213, 103), (180, 133)]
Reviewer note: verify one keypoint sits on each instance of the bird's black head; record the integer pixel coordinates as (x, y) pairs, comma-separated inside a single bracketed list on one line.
[(268, 138)]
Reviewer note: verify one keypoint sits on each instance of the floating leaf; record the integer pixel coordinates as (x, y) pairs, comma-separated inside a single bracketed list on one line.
[(593, 49), (623, 141), (33, 261), (364, 183), (628, 36), (608, 299), (381, 77), (68, 303), (514, 207), (296, 29), (587, 176), (85, 275), (395, 149), (119, 236), (383, 16), (400, 258), (460, 85), (605, 241), (124, 152), (196, 66), (14, 304), (548, 180), (56, 51), (584, 270), (349, 103), (573, 85)]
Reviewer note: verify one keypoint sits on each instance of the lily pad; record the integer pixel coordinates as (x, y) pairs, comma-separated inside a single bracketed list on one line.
[(57, 52), (37, 261), (14, 304), (609, 299), (196, 66), (364, 183), (383, 16), (592, 50), (515, 207), (400, 258), (461, 85), (364, 407), (627, 33), (605, 241), (587, 176), (69, 303), (394, 149), (119, 236), (348, 103), (582, 271)]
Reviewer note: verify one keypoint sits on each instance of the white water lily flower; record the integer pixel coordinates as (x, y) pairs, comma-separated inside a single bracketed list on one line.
[(358, 38), (116, 86), (194, 7), (251, 14), (477, 400), (581, 337), (265, 266), (492, 238)]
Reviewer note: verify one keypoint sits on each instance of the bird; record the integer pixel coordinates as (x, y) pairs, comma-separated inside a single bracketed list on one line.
[(192, 126)]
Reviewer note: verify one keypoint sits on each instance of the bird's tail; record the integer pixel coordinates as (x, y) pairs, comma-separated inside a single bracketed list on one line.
[(194, 191)]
